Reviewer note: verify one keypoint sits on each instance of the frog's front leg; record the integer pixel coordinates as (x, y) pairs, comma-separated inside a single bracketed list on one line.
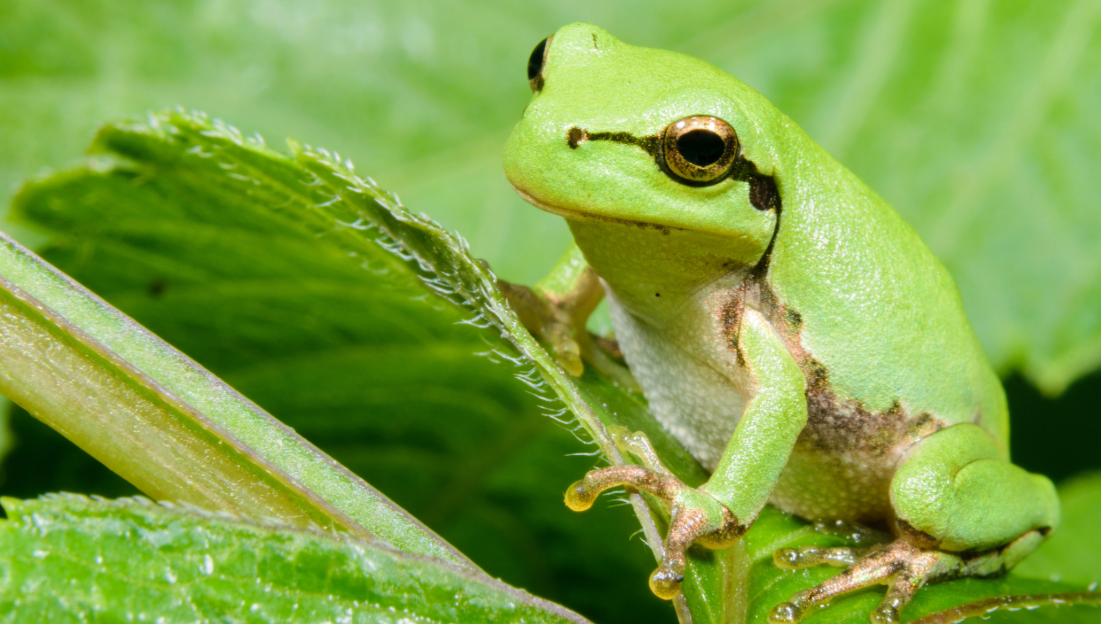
[(721, 510), (961, 510), (558, 306), (556, 310)]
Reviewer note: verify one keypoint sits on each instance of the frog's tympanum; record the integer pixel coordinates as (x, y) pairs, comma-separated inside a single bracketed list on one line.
[(784, 323)]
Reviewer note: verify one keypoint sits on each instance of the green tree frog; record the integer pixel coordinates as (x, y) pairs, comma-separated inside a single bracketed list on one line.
[(783, 322)]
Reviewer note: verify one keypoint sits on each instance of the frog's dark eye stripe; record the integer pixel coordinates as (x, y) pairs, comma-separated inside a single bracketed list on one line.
[(536, 62), (699, 150), (763, 193)]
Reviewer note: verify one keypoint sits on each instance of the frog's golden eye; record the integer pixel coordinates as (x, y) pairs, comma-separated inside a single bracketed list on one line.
[(536, 62), (699, 150)]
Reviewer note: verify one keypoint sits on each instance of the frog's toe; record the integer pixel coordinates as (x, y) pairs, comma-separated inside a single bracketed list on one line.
[(689, 523), (697, 518), (784, 613), (581, 495), (665, 582), (810, 556)]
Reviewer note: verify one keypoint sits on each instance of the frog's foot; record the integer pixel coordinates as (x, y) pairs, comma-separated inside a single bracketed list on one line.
[(548, 320), (696, 516), (905, 568), (558, 317)]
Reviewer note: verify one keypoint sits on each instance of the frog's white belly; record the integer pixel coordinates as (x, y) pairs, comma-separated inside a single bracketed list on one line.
[(696, 403)]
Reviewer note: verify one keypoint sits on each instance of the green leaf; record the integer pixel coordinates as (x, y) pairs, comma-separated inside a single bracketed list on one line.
[(171, 428), (68, 558), (240, 256)]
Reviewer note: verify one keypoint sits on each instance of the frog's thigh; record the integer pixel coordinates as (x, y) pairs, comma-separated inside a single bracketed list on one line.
[(956, 487)]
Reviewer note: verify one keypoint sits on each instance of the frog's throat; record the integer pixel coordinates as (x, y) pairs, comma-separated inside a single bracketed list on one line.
[(578, 215)]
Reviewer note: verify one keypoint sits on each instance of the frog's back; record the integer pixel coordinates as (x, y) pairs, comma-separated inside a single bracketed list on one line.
[(877, 324), (876, 309)]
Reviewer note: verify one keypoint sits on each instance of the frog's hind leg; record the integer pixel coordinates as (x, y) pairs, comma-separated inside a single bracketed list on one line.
[(957, 491), (961, 510)]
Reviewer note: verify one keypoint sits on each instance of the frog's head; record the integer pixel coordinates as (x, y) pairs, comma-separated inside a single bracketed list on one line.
[(619, 133)]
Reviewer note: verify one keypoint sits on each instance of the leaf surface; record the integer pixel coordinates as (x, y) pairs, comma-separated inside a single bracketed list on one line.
[(248, 260), (68, 558), (164, 423)]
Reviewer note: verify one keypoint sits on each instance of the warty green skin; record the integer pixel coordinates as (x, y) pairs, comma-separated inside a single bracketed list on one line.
[(806, 354)]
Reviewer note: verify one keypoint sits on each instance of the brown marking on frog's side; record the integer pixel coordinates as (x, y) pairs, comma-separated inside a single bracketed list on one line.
[(730, 323), (856, 447), (834, 423), (845, 425)]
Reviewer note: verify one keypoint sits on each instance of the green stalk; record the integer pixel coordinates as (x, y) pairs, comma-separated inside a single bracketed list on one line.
[(167, 425)]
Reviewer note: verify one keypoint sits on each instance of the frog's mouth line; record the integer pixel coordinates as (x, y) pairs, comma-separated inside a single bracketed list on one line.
[(577, 215)]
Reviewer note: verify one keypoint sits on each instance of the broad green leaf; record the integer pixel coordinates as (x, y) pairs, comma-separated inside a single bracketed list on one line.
[(71, 559), (239, 256), (165, 424)]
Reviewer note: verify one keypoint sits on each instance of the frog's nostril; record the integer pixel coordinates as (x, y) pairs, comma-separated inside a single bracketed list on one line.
[(576, 136)]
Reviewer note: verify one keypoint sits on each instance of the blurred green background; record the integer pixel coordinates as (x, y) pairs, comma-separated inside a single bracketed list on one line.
[(976, 119)]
